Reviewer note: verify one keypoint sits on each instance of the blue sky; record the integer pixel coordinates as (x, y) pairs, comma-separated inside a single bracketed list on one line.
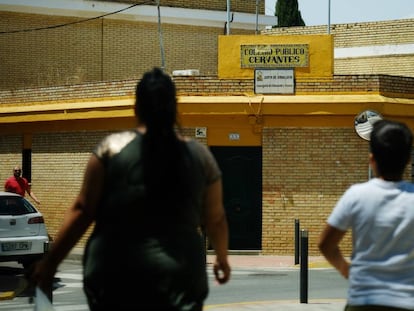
[(315, 12)]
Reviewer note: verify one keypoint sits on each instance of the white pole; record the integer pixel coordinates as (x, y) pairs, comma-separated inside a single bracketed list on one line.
[(329, 16), (257, 16), (228, 18)]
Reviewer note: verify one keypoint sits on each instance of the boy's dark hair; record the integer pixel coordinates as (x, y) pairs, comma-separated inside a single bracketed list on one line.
[(391, 144)]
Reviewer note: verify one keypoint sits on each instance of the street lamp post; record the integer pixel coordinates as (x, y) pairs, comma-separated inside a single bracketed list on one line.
[(228, 18), (329, 16)]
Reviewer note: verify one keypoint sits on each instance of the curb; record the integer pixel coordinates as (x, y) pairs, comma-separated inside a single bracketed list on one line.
[(320, 264), (7, 295), (77, 254), (10, 294), (291, 305)]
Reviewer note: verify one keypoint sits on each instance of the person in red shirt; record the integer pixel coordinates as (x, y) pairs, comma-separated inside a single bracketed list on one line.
[(19, 185)]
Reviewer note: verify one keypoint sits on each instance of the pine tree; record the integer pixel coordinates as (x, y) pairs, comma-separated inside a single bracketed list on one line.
[(288, 14)]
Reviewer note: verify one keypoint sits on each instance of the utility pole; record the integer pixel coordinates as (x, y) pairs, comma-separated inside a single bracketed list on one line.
[(329, 16), (228, 18), (257, 16)]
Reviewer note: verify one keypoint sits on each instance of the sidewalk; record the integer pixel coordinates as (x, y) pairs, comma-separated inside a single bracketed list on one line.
[(268, 262), (277, 262), (248, 261), (282, 305)]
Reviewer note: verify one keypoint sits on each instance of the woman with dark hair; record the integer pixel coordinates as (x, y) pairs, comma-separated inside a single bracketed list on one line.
[(148, 191)]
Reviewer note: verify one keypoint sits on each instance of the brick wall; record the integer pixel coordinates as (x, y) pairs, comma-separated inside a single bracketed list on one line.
[(304, 172), (397, 65), (10, 155), (58, 164), (215, 5), (117, 50), (98, 50), (358, 34), (394, 32), (401, 87)]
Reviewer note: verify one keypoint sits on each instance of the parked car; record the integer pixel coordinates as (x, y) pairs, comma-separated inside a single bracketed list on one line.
[(23, 234)]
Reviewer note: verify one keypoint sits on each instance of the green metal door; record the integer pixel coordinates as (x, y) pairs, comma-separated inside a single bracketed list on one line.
[(242, 192)]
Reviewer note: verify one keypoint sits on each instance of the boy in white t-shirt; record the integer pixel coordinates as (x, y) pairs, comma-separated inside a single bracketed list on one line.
[(380, 214)]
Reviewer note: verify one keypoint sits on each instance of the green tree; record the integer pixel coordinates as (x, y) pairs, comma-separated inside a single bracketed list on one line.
[(288, 14)]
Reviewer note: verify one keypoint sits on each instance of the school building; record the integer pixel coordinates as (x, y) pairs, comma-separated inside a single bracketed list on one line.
[(277, 108)]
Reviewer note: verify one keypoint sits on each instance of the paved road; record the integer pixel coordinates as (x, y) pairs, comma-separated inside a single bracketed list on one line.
[(258, 284)]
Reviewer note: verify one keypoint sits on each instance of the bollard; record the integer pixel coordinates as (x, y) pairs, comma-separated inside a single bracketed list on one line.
[(304, 267), (297, 239)]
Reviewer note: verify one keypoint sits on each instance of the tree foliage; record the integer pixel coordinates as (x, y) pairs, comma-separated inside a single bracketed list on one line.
[(288, 14)]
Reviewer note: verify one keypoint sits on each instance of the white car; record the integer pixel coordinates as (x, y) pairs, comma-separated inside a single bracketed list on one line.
[(23, 234)]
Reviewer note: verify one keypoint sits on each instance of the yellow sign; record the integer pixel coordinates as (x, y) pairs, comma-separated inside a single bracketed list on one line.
[(274, 56)]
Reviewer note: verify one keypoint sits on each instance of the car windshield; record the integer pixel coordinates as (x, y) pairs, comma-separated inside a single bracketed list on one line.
[(13, 205)]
